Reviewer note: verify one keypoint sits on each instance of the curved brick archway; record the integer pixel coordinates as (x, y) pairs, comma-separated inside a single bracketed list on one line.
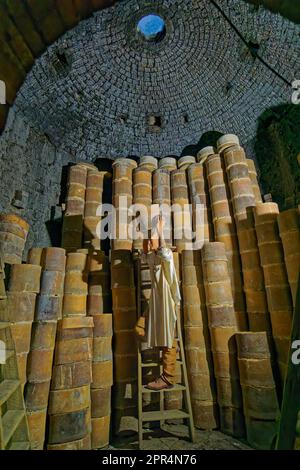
[(28, 27)]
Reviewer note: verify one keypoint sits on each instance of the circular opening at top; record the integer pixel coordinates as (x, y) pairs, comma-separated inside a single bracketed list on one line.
[(152, 27)]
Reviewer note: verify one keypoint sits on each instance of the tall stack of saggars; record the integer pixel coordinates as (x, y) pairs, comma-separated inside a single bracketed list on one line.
[(238, 292)]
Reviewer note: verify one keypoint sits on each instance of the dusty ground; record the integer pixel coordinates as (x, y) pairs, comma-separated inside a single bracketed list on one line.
[(175, 437)]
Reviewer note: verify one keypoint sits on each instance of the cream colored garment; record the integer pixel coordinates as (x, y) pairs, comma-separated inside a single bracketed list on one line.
[(165, 295)]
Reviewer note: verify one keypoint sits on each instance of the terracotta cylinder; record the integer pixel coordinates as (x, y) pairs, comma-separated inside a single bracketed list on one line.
[(80, 444), (261, 406), (94, 191), (254, 181), (53, 259), (225, 232), (100, 432), (70, 387), (279, 299), (142, 195), (242, 196), (21, 302), (227, 141), (48, 312), (199, 195), (223, 327), (204, 153), (125, 362), (197, 345), (122, 189), (182, 217), (289, 228), (99, 290), (75, 203), (185, 162), (101, 396), (35, 256), (36, 421), (13, 236), (96, 182), (149, 162), (72, 232), (76, 190), (161, 185), (68, 427), (167, 163), (243, 202), (76, 285), (25, 278), (20, 306)]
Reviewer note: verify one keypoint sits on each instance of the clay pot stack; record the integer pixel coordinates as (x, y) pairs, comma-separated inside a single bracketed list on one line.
[(243, 201), (95, 184), (102, 368), (223, 327), (279, 297), (197, 343), (13, 236), (182, 218), (254, 181), (173, 400), (70, 400), (40, 360), (162, 195), (289, 228), (122, 200), (24, 285), (225, 232), (76, 285), (99, 289), (125, 347), (99, 306), (261, 406), (199, 195), (72, 230), (142, 194)]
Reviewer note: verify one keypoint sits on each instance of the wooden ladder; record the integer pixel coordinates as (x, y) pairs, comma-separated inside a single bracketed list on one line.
[(14, 433), (289, 430), (162, 415)]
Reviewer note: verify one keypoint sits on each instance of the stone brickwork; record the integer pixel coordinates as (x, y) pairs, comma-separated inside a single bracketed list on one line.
[(101, 90), (30, 163)]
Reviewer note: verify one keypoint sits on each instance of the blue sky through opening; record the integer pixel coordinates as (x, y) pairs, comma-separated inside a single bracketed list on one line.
[(151, 25)]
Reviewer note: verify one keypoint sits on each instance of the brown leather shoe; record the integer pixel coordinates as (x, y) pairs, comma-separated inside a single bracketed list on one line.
[(159, 384)]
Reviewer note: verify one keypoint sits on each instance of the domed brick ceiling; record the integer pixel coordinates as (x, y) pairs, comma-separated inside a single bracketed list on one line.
[(105, 90)]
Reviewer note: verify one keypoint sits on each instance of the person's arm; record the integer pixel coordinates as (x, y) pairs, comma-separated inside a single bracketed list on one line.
[(160, 227)]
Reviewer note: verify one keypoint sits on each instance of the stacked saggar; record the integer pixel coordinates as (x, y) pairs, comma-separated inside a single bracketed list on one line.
[(251, 254)]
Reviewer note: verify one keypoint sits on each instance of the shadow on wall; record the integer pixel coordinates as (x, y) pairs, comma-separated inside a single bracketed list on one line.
[(207, 140), (277, 148)]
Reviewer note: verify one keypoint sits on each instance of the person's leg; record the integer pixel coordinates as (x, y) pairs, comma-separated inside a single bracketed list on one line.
[(169, 363), (167, 379)]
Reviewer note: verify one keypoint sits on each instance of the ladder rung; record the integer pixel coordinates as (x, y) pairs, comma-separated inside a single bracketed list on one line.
[(156, 364), (10, 422), (176, 388), (20, 446), (162, 415), (7, 388)]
